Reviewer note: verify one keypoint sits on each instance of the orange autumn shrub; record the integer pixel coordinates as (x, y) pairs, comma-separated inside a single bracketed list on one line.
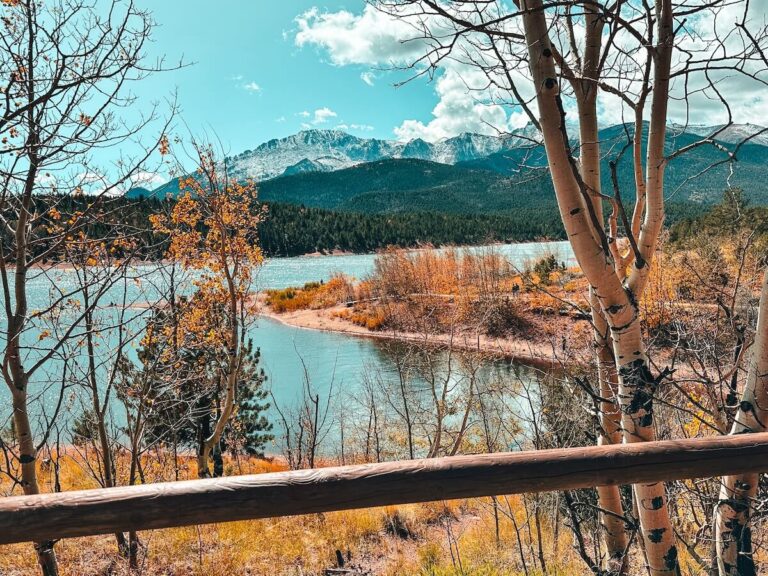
[(370, 318), (312, 296)]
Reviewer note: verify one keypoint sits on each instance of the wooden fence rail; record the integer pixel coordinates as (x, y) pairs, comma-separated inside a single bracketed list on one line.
[(165, 505)]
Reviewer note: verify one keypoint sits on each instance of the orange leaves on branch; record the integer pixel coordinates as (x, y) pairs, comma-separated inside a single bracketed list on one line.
[(19, 75), (85, 120), (212, 230), (186, 212), (164, 146)]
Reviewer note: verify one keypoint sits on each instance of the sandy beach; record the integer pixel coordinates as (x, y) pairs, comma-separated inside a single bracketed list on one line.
[(545, 355)]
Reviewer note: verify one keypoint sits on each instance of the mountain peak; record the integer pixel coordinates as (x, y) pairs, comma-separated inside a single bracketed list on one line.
[(317, 149), (324, 150), (331, 132), (731, 134)]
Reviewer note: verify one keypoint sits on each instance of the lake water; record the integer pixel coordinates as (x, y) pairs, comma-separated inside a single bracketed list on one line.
[(289, 355), (285, 272), (338, 357)]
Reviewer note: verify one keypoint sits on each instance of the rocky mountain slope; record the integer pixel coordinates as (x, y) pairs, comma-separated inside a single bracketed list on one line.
[(472, 173), (329, 150)]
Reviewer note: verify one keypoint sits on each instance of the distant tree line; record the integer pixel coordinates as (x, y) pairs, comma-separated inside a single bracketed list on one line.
[(292, 230), (731, 215)]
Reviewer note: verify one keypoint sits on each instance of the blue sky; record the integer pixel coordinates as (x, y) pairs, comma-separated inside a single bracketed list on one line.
[(265, 69), (251, 82)]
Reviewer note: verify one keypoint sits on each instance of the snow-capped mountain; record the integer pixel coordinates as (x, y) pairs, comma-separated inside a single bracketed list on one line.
[(328, 150), (733, 134), (310, 150)]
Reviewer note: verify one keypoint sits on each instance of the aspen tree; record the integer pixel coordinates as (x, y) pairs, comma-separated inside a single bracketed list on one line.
[(737, 493), (544, 57), (65, 72), (212, 232)]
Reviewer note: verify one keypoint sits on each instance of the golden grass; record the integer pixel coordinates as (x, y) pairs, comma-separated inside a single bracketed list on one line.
[(312, 295), (435, 539), (432, 539)]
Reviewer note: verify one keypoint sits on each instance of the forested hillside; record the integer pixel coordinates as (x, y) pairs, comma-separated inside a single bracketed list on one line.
[(515, 179), (292, 229)]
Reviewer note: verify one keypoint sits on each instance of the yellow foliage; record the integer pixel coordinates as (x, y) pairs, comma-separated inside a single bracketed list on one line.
[(314, 295), (372, 319), (212, 232), (163, 145)]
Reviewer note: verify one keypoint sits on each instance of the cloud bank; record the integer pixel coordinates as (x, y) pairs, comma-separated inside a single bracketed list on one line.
[(468, 103)]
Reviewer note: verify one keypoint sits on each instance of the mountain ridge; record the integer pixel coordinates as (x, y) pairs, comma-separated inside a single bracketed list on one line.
[(329, 150), (322, 150), (349, 173)]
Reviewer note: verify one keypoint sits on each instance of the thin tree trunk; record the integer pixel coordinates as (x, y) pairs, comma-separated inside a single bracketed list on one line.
[(609, 497), (619, 302), (733, 537), (232, 369), (99, 412), (46, 556), (207, 444), (15, 376)]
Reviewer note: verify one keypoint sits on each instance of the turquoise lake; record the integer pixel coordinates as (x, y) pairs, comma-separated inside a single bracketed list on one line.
[(328, 359)]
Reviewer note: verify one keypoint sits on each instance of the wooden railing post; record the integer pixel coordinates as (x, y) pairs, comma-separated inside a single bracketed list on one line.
[(164, 505)]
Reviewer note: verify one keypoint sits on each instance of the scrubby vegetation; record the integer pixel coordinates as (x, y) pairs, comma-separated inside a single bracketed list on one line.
[(453, 290), (312, 295)]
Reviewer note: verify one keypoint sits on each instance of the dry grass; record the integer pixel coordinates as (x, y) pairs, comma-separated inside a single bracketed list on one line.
[(312, 295), (441, 539), (430, 539), (413, 291), (437, 539)]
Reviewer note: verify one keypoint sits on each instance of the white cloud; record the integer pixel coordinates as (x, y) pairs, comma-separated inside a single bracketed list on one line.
[(46, 180), (468, 102), (148, 180), (377, 39), (94, 183), (280, 119), (368, 78), (323, 115), (303, 114), (252, 87), (463, 107), (369, 38)]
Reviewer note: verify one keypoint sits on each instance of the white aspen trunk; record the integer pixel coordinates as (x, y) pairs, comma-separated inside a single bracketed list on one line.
[(637, 162), (636, 390), (15, 375), (636, 385), (733, 538), (46, 556), (656, 163), (609, 497)]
